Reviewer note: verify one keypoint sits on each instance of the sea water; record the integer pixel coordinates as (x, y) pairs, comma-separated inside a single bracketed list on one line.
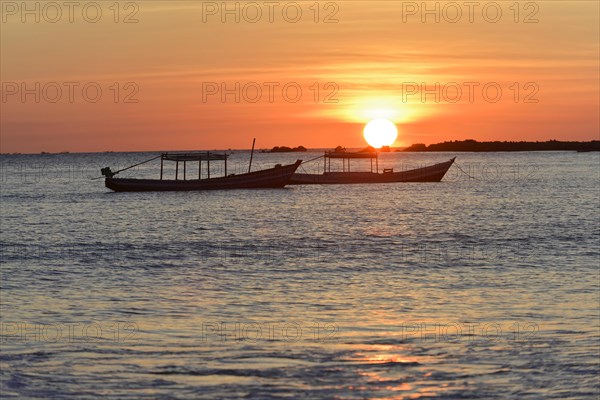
[(485, 285)]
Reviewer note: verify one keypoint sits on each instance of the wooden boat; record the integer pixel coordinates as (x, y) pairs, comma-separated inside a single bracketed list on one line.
[(276, 177), (432, 173)]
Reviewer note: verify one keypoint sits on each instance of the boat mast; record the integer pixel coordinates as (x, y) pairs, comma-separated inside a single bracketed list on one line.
[(251, 155)]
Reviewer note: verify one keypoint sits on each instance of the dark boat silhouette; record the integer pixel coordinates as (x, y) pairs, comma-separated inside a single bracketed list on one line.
[(276, 177), (432, 173)]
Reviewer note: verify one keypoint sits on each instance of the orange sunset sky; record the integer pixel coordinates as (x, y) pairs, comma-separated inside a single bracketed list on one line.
[(161, 67)]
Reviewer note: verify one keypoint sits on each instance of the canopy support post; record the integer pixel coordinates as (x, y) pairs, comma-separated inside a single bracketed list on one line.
[(176, 169)]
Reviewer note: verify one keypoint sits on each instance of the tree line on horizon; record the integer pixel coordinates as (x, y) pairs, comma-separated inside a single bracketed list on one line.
[(475, 146)]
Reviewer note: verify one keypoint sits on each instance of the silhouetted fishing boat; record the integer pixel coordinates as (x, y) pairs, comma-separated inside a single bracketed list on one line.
[(276, 177), (432, 173)]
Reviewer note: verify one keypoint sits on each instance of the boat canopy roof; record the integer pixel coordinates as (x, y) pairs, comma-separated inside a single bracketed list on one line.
[(362, 154), (194, 156)]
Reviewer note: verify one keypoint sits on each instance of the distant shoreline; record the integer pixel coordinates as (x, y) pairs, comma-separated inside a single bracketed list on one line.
[(285, 149), (486, 147), (462, 146)]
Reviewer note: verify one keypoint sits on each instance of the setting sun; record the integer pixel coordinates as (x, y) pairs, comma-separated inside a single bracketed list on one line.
[(380, 132)]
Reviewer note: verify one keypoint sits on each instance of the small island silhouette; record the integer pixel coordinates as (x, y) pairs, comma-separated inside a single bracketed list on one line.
[(285, 149), (475, 146)]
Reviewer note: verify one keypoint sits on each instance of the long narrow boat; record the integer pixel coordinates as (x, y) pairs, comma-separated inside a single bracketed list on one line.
[(276, 177), (432, 173)]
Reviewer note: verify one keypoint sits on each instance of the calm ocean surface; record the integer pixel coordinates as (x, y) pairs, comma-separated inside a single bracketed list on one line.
[(469, 288)]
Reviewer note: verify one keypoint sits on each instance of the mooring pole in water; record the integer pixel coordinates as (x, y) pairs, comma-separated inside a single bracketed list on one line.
[(251, 154)]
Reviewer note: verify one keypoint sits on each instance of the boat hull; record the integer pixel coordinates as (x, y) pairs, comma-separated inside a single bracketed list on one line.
[(276, 177), (432, 173)]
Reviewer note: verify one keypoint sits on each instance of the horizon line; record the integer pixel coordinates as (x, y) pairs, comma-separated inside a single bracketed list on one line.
[(309, 149)]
